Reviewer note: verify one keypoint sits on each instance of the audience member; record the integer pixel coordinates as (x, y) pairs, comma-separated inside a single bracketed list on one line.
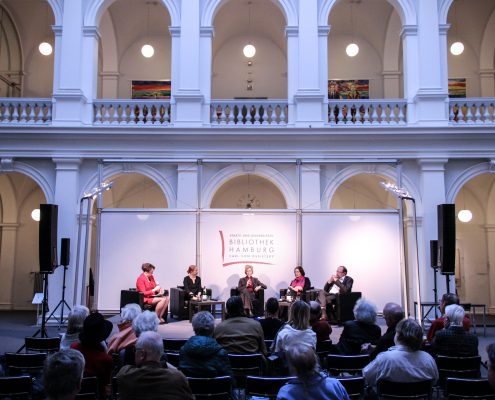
[(393, 314), (126, 335), (239, 334), (202, 356), (490, 350), (437, 324), (62, 374), (453, 340), (404, 362), (271, 323), (310, 382), (321, 327), (75, 322), (147, 321), (96, 329), (148, 379), (362, 330)]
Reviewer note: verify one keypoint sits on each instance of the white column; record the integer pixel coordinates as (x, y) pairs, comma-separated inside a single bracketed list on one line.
[(7, 262), (490, 239), (187, 186), (205, 50), (109, 84), (487, 82), (292, 70), (90, 71), (391, 84), (175, 69), (323, 32), (310, 187)]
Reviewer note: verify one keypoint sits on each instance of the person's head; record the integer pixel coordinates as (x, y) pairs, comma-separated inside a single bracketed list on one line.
[(341, 271), (144, 322), (203, 323), (392, 313), (365, 311), (148, 268), (248, 270), (300, 315), (62, 374), (490, 350), (271, 307), (192, 270), (76, 318), (95, 330), (129, 312), (149, 347), (314, 311), (409, 333), (447, 300), (454, 314), (302, 360), (299, 271), (235, 307)]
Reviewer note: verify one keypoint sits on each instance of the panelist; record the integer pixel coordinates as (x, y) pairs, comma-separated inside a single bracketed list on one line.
[(153, 293), (192, 283), (336, 284), (247, 287), (300, 284)]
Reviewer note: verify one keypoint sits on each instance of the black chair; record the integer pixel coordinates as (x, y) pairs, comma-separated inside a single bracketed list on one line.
[(339, 364), (457, 367), (218, 388), (179, 302), (308, 294), (404, 390), (133, 296), (16, 387), (354, 386), (258, 302), (457, 388), (344, 306), (42, 345), (323, 348), (268, 345), (173, 358), (266, 387), (245, 364), (173, 345), (89, 388), (24, 363)]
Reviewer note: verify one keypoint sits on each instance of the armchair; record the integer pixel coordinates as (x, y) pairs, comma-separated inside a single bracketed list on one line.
[(179, 302), (258, 302), (344, 305), (308, 294), (133, 296)]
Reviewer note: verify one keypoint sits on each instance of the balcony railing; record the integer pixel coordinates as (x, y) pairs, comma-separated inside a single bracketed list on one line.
[(367, 112), (25, 111), (479, 111), (132, 112), (249, 112)]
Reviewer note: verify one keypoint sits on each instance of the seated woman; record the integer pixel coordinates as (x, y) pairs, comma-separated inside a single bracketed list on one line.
[(74, 326), (247, 288), (300, 284), (153, 293), (125, 336), (192, 283)]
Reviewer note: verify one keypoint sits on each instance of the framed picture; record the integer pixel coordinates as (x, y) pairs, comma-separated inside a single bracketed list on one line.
[(148, 90), (457, 88), (348, 89)]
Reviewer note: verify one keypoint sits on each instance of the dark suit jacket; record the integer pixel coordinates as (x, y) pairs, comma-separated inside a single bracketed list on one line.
[(345, 287), (356, 333), (243, 282), (385, 342), (454, 341)]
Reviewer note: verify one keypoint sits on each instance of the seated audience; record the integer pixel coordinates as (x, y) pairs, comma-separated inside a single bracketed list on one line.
[(404, 362), (437, 324), (453, 340), (321, 327), (271, 323), (126, 336), (247, 287), (96, 329), (490, 350), (147, 321), (393, 314), (362, 330), (75, 322), (202, 356), (62, 374), (310, 382), (239, 334), (148, 379)]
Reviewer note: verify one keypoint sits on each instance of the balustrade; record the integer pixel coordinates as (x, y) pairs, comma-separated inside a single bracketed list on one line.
[(472, 111), (25, 111), (132, 112), (367, 112), (249, 112)]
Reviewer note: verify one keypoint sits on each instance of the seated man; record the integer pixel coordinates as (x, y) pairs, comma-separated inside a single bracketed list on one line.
[(62, 374), (320, 327), (437, 324), (148, 379), (271, 323), (338, 283), (239, 334)]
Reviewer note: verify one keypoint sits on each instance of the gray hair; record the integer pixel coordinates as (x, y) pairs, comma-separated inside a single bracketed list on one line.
[(302, 360), (455, 314), (393, 312), (300, 315), (130, 311), (203, 324), (152, 344), (62, 373), (146, 321), (365, 311), (409, 334), (76, 318)]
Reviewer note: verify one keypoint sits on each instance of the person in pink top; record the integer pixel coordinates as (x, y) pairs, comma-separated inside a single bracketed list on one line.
[(300, 283), (153, 293)]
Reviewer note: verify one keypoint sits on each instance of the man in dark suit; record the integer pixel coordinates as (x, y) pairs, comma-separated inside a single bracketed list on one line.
[(336, 284)]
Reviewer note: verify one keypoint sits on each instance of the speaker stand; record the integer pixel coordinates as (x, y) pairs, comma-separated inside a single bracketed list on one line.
[(447, 282), (61, 303), (435, 290)]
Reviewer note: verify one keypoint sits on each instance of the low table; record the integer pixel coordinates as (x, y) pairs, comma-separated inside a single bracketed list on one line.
[(199, 304), (285, 304)]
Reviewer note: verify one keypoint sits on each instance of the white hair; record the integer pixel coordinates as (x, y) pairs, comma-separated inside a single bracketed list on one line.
[(455, 314), (365, 311), (130, 311), (152, 343), (146, 321)]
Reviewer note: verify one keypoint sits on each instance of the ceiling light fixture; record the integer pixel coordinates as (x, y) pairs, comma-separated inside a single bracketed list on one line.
[(465, 215), (45, 48), (457, 48), (249, 50), (147, 50), (352, 48)]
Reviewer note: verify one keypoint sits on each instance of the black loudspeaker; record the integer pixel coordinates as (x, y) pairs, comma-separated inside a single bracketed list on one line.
[(65, 252), (48, 237), (446, 238), (434, 253)]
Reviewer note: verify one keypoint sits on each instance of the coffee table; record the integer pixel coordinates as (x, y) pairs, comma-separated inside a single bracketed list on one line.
[(202, 304)]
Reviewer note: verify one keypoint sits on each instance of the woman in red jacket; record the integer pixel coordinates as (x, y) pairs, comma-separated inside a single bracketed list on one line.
[(153, 293)]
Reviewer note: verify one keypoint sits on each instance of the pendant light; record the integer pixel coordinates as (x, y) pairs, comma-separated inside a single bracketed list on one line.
[(147, 50), (457, 48), (249, 50), (465, 215), (352, 48), (45, 48)]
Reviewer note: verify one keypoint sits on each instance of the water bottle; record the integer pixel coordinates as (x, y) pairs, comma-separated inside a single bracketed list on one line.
[(205, 296), (288, 297)]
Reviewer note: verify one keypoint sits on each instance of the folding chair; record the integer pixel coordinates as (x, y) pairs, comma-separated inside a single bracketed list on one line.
[(457, 367), (173, 345), (24, 363), (16, 387), (354, 386), (173, 358), (323, 348), (339, 364), (458, 388), (262, 386), (42, 345), (89, 388), (218, 388), (404, 390), (245, 364)]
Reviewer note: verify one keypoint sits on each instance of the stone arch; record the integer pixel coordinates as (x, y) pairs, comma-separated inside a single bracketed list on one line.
[(487, 44), (145, 170), (56, 7), (264, 171), (96, 9), (36, 176), (211, 8), (9, 204), (384, 170), (465, 176), (443, 11)]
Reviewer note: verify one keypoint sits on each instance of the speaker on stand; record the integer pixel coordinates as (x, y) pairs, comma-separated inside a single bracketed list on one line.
[(446, 241), (64, 261), (434, 265)]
